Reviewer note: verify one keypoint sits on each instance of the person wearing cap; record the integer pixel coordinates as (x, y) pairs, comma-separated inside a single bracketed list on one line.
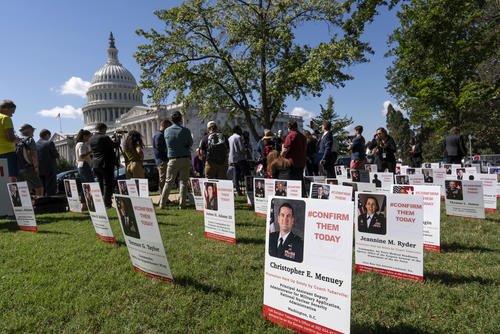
[(265, 145), (179, 142), (27, 160), (214, 147), (103, 161), (47, 158), (8, 138)]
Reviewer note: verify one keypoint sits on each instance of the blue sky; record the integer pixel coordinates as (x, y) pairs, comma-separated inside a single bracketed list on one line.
[(51, 49)]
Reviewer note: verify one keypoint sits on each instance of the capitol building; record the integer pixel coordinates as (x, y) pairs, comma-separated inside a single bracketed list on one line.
[(113, 98)]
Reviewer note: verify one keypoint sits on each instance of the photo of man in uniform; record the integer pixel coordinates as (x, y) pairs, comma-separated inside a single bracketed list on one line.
[(259, 189), (428, 176), (338, 170), (195, 183), (127, 217), (371, 219), (285, 244), (67, 188), (122, 185), (88, 197), (376, 181), (280, 188), (320, 191), (460, 173), (454, 190), (402, 179), (14, 195), (211, 196)]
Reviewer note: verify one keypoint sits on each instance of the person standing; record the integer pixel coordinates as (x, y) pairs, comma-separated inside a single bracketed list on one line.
[(237, 157), (215, 148), (8, 138), (160, 152), (295, 150), (179, 142), (357, 148), (454, 148), (83, 156), (327, 151), (103, 162), (384, 151), (47, 158), (134, 155), (312, 146), (416, 152), (27, 160)]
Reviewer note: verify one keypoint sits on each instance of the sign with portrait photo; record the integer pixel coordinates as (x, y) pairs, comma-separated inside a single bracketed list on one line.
[(218, 198), (490, 190), (196, 184), (432, 211), (382, 181), (389, 235), (142, 236), (416, 179), (308, 262), (72, 195), (142, 186), (249, 190), (128, 187), (97, 211), (22, 206), (5, 210), (332, 191), (464, 198), (265, 188)]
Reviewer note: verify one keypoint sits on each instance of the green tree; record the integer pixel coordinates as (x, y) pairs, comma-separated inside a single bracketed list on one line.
[(439, 52), (339, 124), (243, 55), (398, 127)]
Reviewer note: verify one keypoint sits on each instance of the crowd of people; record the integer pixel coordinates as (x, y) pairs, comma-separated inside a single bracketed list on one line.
[(217, 157)]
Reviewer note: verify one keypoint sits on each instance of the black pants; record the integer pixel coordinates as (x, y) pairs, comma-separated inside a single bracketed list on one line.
[(241, 169), (105, 179), (382, 165)]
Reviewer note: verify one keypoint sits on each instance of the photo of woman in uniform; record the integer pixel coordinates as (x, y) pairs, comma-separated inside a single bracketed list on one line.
[(372, 216)]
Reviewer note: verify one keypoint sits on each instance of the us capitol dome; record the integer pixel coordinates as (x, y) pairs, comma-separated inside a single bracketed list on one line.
[(112, 93)]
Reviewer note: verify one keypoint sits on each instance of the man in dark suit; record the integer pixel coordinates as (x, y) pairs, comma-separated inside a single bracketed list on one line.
[(285, 244), (372, 221), (454, 147), (321, 193), (14, 195), (454, 191), (89, 198), (428, 177), (259, 189), (47, 162), (127, 217), (327, 150), (103, 163), (378, 183)]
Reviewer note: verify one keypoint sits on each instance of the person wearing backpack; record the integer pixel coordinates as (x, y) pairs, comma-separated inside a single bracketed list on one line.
[(27, 160), (215, 148), (327, 150)]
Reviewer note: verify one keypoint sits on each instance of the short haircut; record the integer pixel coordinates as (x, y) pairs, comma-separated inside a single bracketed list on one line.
[(45, 132), (383, 130), (176, 117), (237, 129), (101, 127), (454, 130), (292, 124), (7, 104), (286, 205), (327, 125), (359, 128)]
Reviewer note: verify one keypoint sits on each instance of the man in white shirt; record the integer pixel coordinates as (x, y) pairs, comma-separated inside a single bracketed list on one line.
[(237, 158)]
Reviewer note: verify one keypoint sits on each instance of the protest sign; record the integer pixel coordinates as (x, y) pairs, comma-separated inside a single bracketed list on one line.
[(416, 179), (22, 206), (439, 176), (307, 279), (142, 236), (72, 195), (451, 169), (249, 190), (371, 168), (389, 235), (142, 186), (432, 212), (5, 210), (331, 181), (265, 188), (464, 198), (330, 191), (402, 179), (97, 211), (219, 210), (196, 184), (432, 165), (128, 188), (359, 186), (382, 180), (490, 190)]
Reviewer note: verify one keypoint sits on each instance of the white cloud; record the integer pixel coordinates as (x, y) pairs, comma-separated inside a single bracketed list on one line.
[(349, 128), (395, 106), (299, 111), (386, 105), (66, 112), (75, 86)]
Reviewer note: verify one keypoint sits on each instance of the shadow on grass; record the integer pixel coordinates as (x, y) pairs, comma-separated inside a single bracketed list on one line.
[(452, 280), (48, 220), (53, 232), (399, 329), (120, 243), (455, 247), (190, 283), (491, 219), (253, 241), (10, 226)]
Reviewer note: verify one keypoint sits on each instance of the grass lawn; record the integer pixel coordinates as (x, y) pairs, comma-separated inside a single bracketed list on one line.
[(64, 279)]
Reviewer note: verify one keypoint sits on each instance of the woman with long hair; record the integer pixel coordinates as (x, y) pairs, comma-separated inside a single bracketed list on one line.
[(82, 153), (134, 155)]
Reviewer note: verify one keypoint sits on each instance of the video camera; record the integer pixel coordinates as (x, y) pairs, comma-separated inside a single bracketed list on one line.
[(118, 134)]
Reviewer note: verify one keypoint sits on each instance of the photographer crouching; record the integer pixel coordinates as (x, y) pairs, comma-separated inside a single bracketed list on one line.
[(104, 161), (384, 151)]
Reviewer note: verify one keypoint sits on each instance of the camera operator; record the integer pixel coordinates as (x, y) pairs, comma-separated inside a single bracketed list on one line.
[(357, 148), (103, 161), (384, 149)]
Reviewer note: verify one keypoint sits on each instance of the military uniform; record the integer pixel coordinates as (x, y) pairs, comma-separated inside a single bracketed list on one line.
[(376, 225), (292, 248)]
